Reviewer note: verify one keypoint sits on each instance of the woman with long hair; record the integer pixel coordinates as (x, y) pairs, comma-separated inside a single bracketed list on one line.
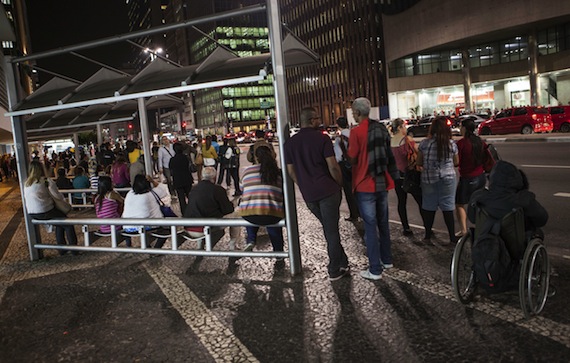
[(437, 158), (262, 198), (471, 151), (209, 153), (405, 153), (108, 204), (38, 191)]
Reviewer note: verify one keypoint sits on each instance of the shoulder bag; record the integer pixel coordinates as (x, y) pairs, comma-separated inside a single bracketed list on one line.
[(166, 210), (60, 204)]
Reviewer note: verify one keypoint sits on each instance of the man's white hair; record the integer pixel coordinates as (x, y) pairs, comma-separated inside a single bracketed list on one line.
[(362, 105), (209, 173)]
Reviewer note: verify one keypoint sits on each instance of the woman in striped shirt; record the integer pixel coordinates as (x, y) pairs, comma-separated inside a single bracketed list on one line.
[(109, 204), (262, 198)]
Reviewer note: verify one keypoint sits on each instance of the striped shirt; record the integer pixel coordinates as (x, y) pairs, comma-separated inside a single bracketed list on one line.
[(109, 209), (258, 198)]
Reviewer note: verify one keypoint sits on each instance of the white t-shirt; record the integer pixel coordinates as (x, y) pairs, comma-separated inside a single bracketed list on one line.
[(38, 199), (142, 206)]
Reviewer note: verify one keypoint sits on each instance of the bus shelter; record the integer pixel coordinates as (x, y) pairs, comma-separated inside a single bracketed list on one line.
[(63, 107)]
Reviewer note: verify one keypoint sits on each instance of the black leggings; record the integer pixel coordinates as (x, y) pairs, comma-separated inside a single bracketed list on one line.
[(402, 201)]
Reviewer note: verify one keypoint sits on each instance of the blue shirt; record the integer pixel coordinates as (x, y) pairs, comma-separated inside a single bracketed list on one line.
[(307, 151)]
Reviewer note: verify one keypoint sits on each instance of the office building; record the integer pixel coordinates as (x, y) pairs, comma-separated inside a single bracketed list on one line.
[(449, 56)]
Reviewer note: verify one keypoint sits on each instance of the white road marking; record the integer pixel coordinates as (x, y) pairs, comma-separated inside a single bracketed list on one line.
[(562, 194), (222, 344), (547, 166)]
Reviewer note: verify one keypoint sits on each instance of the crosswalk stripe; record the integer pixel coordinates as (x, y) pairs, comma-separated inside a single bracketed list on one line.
[(220, 342)]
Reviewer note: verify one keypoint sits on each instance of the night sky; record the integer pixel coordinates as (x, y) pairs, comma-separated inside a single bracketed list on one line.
[(55, 24)]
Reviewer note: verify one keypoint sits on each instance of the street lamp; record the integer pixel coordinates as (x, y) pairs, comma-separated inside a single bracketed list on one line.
[(153, 53)]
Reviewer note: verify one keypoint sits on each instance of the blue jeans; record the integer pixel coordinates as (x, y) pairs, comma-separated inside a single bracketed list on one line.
[(275, 235), (374, 213), (327, 212)]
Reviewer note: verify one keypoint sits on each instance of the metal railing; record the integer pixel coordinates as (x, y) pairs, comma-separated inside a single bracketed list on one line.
[(171, 223), (85, 196)]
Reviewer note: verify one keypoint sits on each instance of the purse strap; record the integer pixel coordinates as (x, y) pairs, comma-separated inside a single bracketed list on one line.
[(160, 202)]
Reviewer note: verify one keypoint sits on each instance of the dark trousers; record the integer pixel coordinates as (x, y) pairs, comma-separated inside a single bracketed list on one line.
[(347, 188), (402, 201), (60, 231), (275, 233), (183, 193), (327, 212)]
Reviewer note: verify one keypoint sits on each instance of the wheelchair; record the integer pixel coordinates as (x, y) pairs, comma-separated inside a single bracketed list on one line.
[(531, 257)]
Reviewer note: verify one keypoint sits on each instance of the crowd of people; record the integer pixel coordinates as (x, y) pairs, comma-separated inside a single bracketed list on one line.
[(364, 163)]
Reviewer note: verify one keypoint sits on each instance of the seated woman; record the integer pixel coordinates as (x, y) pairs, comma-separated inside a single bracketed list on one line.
[(109, 204), (508, 189), (140, 203), (262, 198), (81, 181), (40, 204)]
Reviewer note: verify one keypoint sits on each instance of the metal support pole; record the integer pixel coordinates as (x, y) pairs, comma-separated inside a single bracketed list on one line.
[(99, 135), (282, 114), (533, 68), (22, 156), (466, 69), (145, 136), (76, 143)]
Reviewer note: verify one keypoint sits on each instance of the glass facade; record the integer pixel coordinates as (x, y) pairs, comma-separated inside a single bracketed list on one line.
[(239, 107), (550, 40)]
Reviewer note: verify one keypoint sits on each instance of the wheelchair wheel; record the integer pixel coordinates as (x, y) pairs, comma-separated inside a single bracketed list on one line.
[(534, 279), (462, 275)]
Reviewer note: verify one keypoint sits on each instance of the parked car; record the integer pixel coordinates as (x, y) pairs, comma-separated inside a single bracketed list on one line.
[(560, 116), (524, 120), (421, 128), (333, 131)]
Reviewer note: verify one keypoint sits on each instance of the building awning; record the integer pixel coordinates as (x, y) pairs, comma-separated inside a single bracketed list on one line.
[(108, 95)]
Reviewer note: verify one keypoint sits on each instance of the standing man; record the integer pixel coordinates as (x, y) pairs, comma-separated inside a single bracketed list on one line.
[(311, 163), (165, 153), (373, 170), (341, 155)]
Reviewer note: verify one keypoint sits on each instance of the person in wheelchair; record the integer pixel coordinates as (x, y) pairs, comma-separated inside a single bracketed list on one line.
[(509, 189)]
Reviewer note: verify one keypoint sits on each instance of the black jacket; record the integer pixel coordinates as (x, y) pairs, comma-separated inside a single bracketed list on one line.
[(180, 171), (508, 189), (208, 200)]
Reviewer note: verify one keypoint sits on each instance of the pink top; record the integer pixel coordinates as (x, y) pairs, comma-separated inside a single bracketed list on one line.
[(109, 209), (401, 154)]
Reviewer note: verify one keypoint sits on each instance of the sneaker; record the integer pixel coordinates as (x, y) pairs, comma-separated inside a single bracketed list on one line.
[(408, 232), (387, 265), (248, 247), (342, 272), (370, 276)]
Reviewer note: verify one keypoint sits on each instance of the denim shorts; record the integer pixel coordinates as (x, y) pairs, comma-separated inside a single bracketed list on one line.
[(439, 194), (467, 186)]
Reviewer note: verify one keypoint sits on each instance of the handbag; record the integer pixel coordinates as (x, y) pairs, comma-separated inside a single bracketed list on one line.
[(166, 210), (412, 181), (199, 160), (60, 204)]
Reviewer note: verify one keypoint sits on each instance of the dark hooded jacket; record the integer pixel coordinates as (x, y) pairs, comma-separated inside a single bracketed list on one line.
[(508, 189)]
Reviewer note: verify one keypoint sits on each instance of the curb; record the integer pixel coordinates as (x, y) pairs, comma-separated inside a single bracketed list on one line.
[(526, 139)]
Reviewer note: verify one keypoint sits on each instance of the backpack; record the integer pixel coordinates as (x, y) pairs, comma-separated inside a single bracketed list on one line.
[(492, 263)]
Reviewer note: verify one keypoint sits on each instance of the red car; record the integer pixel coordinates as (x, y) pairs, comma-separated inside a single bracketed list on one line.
[(560, 116), (524, 120)]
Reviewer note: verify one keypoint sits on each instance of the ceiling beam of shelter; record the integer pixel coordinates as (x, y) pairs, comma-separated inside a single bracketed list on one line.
[(141, 33)]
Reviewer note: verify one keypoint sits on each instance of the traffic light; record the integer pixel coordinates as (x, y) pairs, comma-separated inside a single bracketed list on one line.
[(130, 126), (183, 127)]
